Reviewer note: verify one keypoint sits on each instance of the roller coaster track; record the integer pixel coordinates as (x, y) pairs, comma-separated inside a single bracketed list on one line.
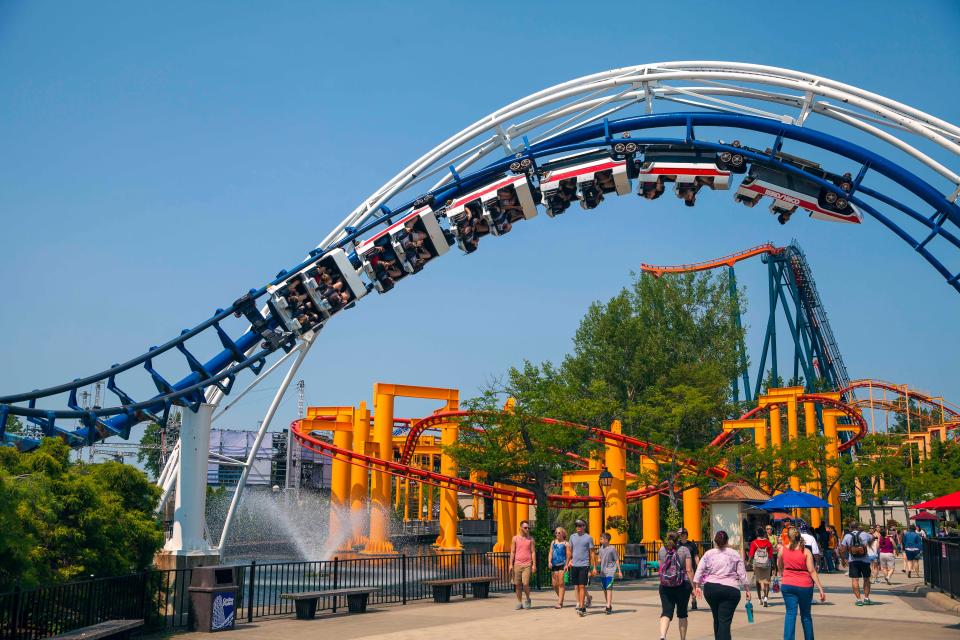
[(707, 265), (767, 103)]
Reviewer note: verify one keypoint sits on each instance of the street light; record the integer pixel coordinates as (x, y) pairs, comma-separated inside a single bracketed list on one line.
[(605, 480)]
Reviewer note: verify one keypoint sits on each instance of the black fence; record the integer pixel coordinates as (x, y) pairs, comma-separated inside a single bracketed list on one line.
[(161, 598), (941, 564)]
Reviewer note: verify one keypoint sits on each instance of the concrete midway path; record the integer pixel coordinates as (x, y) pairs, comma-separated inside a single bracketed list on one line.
[(898, 612)]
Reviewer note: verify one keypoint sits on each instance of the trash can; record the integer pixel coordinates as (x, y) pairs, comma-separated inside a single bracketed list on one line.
[(213, 596)]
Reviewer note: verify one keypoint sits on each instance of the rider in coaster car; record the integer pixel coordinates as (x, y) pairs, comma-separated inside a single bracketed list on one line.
[(605, 181), (653, 190)]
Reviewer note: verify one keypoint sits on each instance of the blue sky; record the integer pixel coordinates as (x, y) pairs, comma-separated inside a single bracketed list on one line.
[(161, 159)]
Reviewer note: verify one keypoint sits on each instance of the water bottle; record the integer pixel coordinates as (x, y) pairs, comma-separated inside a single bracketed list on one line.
[(750, 612)]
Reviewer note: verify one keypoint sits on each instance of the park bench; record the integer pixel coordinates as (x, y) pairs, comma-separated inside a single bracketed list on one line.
[(479, 586), (108, 629), (306, 601)]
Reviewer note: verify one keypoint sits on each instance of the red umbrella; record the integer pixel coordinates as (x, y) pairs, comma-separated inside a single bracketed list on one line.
[(949, 502), (924, 515)]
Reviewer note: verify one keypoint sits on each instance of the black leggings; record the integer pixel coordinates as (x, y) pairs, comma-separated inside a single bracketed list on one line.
[(674, 597), (723, 601)]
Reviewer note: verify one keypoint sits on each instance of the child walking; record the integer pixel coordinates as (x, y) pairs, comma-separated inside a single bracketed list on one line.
[(609, 567)]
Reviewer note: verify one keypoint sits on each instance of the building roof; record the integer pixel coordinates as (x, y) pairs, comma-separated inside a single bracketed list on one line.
[(736, 492), (924, 515)]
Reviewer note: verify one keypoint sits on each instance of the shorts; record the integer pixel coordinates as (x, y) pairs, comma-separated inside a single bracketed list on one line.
[(521, 575), (912, 554), (762, 573), (579, 575), (859, 569), (675, 598), (888, 561), (606, 582), (557, 567)]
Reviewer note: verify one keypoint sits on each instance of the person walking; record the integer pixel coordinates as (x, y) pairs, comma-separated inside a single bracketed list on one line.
[(581, 559), (761, 557), (523, 562), (676, 580), (831, 553), (854, 545), (912, 545), (888, 561), (718, 578), (799, 572), (691, 546), (873, 551), (774, 544), (559, 559), (608, 568)]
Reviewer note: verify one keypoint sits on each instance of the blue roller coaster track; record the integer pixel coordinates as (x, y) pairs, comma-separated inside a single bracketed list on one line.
[(935, 213)]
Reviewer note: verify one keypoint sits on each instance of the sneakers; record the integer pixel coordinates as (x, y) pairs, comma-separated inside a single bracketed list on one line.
[(887, 579), (866, 602), (519, 606), (765, 603), (859, 603), (526, 604), (581, 612), (588, 601), (609, 610)]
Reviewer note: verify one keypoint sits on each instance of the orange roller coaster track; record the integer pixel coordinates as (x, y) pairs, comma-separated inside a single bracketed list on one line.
[(725, 261)]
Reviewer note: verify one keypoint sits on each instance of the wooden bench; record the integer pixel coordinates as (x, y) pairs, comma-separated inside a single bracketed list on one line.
[(479, 586), (108, 629), (306, 601)]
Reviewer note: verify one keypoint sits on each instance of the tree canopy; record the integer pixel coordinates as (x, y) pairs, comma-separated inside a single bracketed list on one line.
[(63, 520)]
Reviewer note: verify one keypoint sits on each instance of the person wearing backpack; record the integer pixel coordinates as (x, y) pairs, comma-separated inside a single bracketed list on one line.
[(721, 573), (676, 578), (761, 555), (855, 544)]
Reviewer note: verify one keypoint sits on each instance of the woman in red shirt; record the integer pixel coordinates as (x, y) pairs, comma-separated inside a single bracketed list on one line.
[(799, 575), (762, 564)]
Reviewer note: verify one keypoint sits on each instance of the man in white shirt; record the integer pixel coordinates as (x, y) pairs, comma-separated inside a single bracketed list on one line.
[(810, 542)]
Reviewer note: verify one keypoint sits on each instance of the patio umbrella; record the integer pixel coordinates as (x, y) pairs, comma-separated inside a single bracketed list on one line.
[(949, 502), (793, 500)]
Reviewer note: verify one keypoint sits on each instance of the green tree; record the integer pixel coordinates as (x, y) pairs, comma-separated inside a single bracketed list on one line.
[(156, 444), (515, 447), (14, 425), (72, 519)]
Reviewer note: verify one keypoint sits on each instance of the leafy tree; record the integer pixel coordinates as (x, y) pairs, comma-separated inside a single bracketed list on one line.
[(71, 520), (516, 448), (659, 334), (14, 425), (156, 444)]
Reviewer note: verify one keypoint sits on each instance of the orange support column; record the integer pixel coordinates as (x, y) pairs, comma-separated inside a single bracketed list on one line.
[(616, 459), (650, 507), (810, 431), (379, 540), (447, 539), (340, 529), (833, 467), (360, 476), (693, 514)]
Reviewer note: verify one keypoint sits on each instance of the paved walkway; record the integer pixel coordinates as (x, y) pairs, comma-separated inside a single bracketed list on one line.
[(897, 613)]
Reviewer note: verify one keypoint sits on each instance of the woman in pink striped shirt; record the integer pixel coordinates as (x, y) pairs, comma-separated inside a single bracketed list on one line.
[(720, 575)]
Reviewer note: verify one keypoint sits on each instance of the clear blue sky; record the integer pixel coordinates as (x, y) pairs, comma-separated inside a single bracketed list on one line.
[(159, 159)]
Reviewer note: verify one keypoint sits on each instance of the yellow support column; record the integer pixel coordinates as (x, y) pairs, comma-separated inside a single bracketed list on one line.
[(523, 513), (379, 541), (833, 467), (792, 434), (448, 497), (594, 526), (650, 507), (810, 430), (616, 459), (504, 532), (359, 476), (340, 528), (692, 513)]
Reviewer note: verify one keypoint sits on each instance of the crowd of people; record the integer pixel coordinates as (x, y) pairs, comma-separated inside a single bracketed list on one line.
[(786, 558)]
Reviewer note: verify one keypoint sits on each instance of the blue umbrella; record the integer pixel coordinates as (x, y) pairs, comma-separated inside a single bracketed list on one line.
[(793, 500)]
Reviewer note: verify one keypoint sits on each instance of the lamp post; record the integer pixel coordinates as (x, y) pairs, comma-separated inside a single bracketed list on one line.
[(604, 480)]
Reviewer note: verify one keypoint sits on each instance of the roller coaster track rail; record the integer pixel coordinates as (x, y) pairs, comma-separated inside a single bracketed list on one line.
[(771, 104)]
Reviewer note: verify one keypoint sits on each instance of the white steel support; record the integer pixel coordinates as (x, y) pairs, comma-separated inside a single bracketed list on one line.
[(189, 516), (304, 348)]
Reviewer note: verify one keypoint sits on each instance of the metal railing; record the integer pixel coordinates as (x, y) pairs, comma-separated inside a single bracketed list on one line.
[(161, 597), (941, 565)]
